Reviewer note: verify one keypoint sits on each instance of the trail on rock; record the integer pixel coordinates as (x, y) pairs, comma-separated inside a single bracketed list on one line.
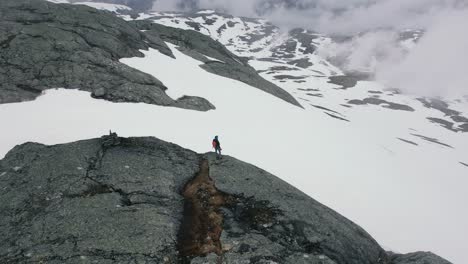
[(202, 224)]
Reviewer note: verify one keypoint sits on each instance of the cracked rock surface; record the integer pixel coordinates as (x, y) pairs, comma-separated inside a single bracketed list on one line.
[(143, 200), (45, 45), (114, 201)]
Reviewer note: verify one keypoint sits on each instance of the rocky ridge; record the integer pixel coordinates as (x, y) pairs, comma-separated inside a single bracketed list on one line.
[(132, 200), (47, 45)]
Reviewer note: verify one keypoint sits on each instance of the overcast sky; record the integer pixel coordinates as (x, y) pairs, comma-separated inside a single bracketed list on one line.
[(436, 66)]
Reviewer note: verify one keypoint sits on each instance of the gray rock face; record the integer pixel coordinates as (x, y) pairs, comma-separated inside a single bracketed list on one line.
[(229, 65), (277, 222), (417, 258), (305, 37), (386, 104), (46, 45), (303, 63), (108, 201), (345, 81), (142, 200), (460, 122), (195, 103)]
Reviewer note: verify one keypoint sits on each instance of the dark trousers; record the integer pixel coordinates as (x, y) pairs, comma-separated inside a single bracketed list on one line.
[(218, 152)]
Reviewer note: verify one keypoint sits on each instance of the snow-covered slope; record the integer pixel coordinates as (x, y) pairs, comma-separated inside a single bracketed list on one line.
[(290, 60), (392, 170), (370, 153)]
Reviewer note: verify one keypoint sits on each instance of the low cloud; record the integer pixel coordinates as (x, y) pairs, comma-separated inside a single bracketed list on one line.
[(365, 52), (437, 65), (167, 5)]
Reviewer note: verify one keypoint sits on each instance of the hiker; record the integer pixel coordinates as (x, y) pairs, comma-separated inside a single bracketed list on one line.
[(217, 147)]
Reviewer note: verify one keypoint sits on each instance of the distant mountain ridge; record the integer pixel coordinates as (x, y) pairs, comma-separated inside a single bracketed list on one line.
[(290, 60)]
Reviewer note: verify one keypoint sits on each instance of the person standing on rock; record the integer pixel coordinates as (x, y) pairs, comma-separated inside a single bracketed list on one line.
[(217, 147)]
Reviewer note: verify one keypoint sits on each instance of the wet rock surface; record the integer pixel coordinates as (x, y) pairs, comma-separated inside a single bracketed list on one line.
[(143, 200), (46, 45), (202, 224)]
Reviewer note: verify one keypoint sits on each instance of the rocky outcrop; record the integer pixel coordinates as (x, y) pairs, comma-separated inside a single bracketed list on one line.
[(143, 200), (46, 45), (384, 103), (348, 81), (103, 201), (456, 123), (205, 49)]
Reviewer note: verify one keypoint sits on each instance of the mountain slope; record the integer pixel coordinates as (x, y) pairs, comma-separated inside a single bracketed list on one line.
[(360, 184), (75, 46), (354, 158), (290, 59), (72, 46), (217, 58)]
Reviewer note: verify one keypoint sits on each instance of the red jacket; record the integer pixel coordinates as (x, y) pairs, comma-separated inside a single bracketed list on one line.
[(216, 144)]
